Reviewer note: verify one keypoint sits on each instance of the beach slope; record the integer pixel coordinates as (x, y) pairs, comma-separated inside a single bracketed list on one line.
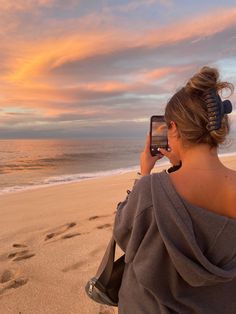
[(52, 240)]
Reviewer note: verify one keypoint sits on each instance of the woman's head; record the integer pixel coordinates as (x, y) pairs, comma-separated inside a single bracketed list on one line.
[(188, 109)]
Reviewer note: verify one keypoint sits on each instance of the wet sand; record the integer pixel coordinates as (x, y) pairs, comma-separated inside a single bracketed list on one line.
[(52, 240)]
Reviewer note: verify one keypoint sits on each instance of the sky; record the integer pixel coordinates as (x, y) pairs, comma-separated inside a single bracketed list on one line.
[(101, 68)]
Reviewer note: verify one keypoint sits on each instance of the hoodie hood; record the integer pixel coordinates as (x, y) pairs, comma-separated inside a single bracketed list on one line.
[(200, 243)]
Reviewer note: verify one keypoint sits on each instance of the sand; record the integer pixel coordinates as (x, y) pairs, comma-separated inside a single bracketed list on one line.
[(52, 240)]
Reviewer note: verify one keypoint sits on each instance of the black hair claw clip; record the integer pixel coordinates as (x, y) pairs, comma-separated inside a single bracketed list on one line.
[(216, 109)]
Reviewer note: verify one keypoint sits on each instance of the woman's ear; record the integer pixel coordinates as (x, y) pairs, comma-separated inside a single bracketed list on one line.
[(173, 130)]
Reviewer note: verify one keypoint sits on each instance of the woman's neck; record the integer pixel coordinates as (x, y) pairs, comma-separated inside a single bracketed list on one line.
[(200, 157)]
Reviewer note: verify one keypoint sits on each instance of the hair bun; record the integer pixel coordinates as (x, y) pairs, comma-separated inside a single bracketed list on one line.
[(204, 80), (198, 111)]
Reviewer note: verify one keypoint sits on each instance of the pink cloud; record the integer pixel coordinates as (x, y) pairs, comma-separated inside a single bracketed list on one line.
[(26, 77), (133, 5), (24, 5), (194, 27), (164, 72), (39, 58)]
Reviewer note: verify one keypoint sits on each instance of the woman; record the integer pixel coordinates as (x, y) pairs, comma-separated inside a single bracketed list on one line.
[(178, 229)]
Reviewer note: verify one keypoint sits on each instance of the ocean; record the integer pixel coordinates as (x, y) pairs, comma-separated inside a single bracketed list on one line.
[(28, 164)]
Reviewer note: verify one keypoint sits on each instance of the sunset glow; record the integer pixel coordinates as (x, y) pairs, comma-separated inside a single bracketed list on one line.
[(68, 64)]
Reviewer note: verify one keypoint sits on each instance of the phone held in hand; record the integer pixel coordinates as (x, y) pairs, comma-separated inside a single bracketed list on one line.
[(158, 135)]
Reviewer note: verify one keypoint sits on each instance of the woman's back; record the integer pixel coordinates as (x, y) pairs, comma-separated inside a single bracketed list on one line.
[(180, 258), (214, 190)]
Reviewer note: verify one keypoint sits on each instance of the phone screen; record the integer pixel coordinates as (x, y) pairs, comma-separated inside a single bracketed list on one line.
[(158, 133)]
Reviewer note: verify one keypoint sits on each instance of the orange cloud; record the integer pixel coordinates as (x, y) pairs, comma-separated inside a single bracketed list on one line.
[(26, 79), (24, 5), (52, 101), (198, 26), (37, 59), (164, 72), (107, 86)]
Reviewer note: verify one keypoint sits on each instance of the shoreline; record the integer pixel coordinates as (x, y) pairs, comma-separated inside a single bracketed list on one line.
[(68, 179), (52, 241)]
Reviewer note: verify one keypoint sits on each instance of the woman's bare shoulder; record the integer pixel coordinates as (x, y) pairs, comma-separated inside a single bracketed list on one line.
[(213, 191)]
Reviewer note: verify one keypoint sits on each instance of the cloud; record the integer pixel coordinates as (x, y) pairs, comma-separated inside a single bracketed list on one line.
[(36, 59), (90, 67), (134, 5), (164, 72), (28, 5), (194, 27)]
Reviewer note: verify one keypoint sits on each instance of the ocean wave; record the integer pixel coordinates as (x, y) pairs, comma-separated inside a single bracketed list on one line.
[(70, 178), (64, 179), (231, 154)]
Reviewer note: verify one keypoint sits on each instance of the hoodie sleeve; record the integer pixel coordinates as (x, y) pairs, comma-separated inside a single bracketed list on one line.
[(127, 211)]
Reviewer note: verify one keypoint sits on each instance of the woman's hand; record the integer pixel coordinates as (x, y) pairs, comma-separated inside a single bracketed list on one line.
[(173, 158), (147, 161)]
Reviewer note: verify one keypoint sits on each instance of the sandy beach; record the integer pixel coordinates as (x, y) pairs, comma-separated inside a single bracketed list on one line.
[(52, 240)]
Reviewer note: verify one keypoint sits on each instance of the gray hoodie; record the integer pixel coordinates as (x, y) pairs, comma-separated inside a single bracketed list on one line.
[(179, 258)]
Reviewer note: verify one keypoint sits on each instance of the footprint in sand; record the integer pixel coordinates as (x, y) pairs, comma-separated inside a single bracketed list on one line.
[(104, 226), (96, 217), (73, 266), (71, 235), (59, 231), (19, 245), (6, 276), (20, 255), (9, 279)]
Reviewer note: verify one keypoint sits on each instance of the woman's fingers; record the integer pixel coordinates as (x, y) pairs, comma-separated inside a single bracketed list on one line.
[(147, 161), (147, 146), (174, 159), (165, 152)]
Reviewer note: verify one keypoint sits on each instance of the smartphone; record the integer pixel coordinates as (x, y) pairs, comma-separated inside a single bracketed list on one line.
[(158, 135)]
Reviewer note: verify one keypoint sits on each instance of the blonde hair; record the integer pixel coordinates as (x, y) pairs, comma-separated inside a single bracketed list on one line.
[(188, 109)]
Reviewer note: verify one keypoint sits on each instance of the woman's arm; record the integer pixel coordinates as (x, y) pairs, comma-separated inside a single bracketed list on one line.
[(147, 161), (137, 200)]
